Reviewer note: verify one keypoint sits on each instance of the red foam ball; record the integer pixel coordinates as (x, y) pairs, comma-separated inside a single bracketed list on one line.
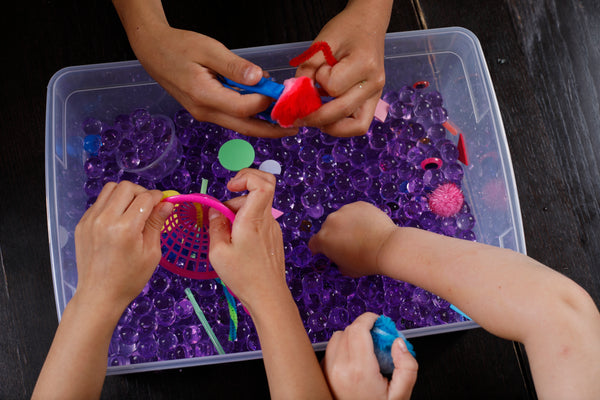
[(298, 99), (446, 200)]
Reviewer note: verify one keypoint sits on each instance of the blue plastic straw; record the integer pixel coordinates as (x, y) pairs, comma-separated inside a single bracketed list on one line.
[(452, 306), (202, 318)]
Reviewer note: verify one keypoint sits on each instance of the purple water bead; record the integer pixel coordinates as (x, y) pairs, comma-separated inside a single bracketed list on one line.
[(448, 226), (141, 305), (360, 180), (191, 334), (164, 301), (110, 139), (340, 152), (388, 163), (146, 154), (217, 190), (123, 124), (159, 282), (263, 147), (93, 167), (310, 198), (434, 98), (422, 109), (308, 154), (465, 222), (325, 161), (416, 155), (128, 334), (412, 209), (439, 115), (284, 201), (467, 235), (166, 340), (405, 93), (292, 176), (301, 255), (129, 160), (378, 141), (338, 318), (414, 131), (433, 178), (390, 96), (291, 143), (147, 324), (147, 347), (92, 126), (359, 142), (399, 110), (93, 187), (183, 118), (453, 172), (316, 321), (436, 132), (342, 183), (449, 152), (181, 179), (356, 307), (312, 175), (166, 317), (312, 283), (356, 158), (389, 191)]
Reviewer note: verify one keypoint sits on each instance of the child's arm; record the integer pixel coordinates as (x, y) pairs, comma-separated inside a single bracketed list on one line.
[(507, 293), (117, 244), (186, 63), (356, 37), (249, 258)]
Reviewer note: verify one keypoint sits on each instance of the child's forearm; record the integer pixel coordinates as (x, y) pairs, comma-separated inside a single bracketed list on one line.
[(512, 296), (139, 16), (76, 363), (292, 368)]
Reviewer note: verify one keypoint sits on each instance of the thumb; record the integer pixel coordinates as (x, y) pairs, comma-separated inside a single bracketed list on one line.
[(156, 220), (218, 229), (405, 372), (223, 61)]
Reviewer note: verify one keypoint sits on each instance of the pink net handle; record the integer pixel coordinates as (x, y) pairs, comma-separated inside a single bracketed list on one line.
[(203, 199)]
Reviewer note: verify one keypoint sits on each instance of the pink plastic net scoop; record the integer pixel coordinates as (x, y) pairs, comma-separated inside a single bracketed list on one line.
[(185, 240)]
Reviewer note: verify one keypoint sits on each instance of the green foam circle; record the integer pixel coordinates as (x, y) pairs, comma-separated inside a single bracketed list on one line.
[(236, 154)]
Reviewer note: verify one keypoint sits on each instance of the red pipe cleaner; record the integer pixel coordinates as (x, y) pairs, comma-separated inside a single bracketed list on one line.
[(311, 51)]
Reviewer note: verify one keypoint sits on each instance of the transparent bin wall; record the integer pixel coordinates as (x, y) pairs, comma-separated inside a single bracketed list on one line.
[(450, 59)]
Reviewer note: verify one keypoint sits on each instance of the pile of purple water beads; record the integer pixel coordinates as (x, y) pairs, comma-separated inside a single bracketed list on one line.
[(320, 174)]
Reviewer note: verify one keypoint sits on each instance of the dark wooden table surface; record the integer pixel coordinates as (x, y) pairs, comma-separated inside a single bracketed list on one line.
[(543, 58)]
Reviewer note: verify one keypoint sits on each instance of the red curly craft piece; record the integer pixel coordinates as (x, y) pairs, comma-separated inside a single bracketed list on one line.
[(311, 51)]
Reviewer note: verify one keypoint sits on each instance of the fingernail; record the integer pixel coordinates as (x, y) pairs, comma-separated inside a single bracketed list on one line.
[(212, 214), (252, 74), (402, 345), (166, 209)]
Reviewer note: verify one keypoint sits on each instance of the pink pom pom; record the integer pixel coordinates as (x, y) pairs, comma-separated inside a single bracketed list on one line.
[(446, 200)]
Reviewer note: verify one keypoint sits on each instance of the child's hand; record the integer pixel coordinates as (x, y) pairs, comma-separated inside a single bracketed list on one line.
[(186, 65), (249, 255), (356, 37), (117, 244), (352, 237), (351, 367)]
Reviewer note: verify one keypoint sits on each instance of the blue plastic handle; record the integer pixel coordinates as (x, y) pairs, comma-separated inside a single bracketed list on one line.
[(264, 86)]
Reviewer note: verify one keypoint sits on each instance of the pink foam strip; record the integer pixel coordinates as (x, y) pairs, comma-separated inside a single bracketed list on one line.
[(381, 111), (276, 213)]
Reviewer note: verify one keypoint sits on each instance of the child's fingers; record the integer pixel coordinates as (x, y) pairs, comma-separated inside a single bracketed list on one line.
[(261, 187), (100, 200), (142, 206), (218, 229), (155, 222), (122, 197), (405, 372)]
